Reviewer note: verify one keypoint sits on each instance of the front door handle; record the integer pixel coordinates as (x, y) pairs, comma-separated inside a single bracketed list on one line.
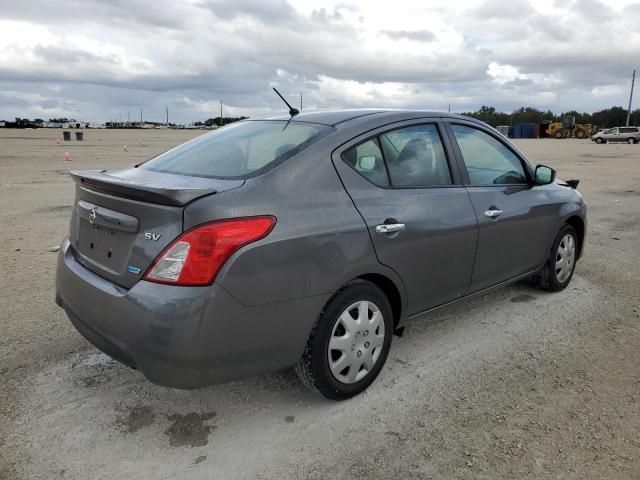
[(492, 213), (390, 227)]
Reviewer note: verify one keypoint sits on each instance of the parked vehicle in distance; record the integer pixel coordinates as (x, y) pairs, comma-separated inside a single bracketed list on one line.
[(307, 242), (618, 134)]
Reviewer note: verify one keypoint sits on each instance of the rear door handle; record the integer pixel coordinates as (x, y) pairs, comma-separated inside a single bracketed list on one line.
[(492, 213), (390, 227)]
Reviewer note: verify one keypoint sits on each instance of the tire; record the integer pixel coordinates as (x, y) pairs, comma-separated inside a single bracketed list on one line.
[(558, 134), (580, 133), (554, 276), (631, 141), (339, 320), (599, 140)]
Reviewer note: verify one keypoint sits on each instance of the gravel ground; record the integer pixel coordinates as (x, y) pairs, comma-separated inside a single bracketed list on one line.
[(516, 384)]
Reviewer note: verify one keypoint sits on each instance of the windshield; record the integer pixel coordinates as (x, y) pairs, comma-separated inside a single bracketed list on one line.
[(241, 150)]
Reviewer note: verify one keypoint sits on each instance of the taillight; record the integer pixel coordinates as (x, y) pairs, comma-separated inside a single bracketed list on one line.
[(196, 256)]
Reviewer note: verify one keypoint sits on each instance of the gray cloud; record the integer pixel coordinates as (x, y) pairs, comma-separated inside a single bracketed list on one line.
[(415, 35), (99, 59)]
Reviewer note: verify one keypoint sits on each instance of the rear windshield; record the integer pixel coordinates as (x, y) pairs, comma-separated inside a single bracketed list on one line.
[(241, 150)]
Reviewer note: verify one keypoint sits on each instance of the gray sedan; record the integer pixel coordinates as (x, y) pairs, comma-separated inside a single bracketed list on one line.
[(306, 242)]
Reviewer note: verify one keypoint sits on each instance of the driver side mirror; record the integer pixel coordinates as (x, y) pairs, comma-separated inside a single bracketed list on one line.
[(545, 175)]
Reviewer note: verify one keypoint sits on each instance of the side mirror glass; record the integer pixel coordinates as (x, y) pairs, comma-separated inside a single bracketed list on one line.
[(366, 164), (545, 175)]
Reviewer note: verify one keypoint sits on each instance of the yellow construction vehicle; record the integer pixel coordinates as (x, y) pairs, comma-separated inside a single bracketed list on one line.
[(569, 128)]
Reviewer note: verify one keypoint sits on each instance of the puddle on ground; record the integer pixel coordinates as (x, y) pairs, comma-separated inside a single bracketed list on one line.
[(522, 298), (189, 430), (136, 417)]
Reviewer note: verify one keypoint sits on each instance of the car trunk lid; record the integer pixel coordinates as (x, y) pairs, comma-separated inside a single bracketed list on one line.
[(122, 220)]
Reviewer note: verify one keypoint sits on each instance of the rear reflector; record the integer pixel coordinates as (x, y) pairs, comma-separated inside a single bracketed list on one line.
[(196, 256)]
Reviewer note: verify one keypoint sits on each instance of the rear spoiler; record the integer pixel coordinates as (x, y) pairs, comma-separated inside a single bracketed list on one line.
[(174, 195)]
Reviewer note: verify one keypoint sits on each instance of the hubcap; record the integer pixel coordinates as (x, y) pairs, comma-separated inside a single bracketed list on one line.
[(565, 257), (356, 342)]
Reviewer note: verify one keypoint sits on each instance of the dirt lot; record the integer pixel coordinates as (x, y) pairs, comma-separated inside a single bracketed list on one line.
[(516, 384)]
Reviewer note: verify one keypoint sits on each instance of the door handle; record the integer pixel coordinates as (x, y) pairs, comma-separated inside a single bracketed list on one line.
[(390, 227), (492, 213)]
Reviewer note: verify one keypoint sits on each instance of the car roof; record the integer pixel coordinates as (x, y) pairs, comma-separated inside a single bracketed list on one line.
[(337, 117)]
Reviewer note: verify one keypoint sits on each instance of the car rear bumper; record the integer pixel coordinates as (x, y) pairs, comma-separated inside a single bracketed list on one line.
[(183, 337)]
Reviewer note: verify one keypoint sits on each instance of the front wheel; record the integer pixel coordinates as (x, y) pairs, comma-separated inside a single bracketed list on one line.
[(557, 271), (599, 140), (349, 343)]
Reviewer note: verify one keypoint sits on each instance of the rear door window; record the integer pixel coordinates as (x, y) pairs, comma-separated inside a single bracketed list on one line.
[(488, 160), (415, 157), (241, 150)]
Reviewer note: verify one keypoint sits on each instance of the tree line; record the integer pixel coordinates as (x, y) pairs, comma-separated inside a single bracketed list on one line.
[(607, 118), (217, 121)]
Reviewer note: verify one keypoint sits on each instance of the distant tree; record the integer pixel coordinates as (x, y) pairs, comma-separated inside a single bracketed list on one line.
[(609, 117), (225, 120)]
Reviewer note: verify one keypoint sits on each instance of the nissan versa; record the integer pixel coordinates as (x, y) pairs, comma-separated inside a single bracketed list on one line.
[(306, 241)]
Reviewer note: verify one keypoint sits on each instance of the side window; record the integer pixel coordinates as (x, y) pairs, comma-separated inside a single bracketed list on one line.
[(415, 157), (366, 159), (488, 161)]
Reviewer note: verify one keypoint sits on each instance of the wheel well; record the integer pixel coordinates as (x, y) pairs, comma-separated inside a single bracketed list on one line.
[(578, 225), (390, 290)]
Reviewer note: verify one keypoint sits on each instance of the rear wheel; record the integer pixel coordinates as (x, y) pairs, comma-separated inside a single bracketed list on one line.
[(349, 343), (631, 141), (580, 133), (558, 269)]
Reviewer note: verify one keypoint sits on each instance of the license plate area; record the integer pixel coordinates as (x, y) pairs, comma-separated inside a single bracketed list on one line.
[(100, 243)]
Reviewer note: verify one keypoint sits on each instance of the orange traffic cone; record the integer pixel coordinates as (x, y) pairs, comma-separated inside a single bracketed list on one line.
[(67, 157)]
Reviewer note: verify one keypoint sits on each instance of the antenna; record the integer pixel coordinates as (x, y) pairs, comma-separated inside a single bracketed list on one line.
[(633, 79), (292, 111)]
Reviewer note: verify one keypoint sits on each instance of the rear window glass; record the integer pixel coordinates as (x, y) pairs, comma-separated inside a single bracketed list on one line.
[(240, 150)]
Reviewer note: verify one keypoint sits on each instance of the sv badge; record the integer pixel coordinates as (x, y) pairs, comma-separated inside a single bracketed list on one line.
[(152, 236)]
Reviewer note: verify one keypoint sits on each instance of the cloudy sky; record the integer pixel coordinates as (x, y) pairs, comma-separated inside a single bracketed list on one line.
[(98, 60)]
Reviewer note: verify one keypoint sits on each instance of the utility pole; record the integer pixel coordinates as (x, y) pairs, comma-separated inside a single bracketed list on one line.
[(633, 79), (128, 117), (140, 117), (449, 108), (300, 101), (221, 121), (166, 109)]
